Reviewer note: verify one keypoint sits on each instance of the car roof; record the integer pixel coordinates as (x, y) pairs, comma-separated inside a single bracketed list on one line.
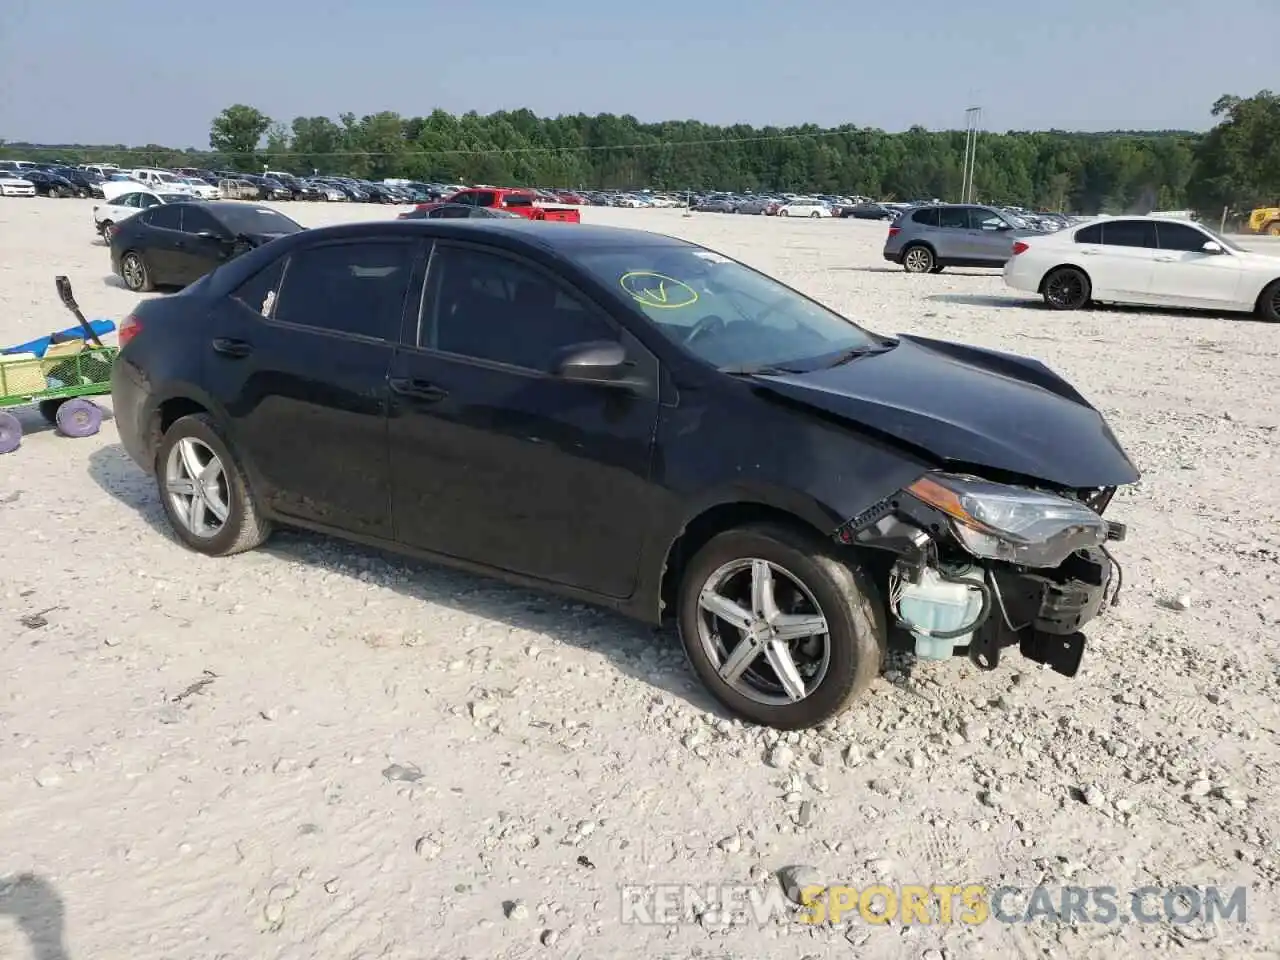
[(549, 235)]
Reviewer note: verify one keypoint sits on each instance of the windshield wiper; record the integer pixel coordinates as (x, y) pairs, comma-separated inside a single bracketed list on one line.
[(855, 353), (749, 370)]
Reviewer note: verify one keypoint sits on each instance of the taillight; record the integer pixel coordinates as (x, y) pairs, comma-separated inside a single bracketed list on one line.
[(1020, 247), (130, 327), (110, 232), (894, 231)]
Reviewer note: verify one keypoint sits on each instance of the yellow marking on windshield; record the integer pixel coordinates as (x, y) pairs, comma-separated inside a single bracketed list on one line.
[(657, 290)]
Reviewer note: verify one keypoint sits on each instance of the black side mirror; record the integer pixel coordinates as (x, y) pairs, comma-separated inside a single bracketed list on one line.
[(604, 363)]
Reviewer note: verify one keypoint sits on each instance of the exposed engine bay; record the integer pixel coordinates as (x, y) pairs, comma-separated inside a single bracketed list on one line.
[(978, 566)]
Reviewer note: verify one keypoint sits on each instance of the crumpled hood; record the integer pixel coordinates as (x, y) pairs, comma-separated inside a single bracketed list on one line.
[(968, 405)]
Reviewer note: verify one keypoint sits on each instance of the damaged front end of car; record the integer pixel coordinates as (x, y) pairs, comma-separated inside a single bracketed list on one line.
[(978, 566)]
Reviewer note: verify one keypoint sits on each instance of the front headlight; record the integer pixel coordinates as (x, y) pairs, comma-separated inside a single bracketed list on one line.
[(996, 521)]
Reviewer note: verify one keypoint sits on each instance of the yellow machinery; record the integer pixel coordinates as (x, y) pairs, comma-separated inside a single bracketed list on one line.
[(1265, 220)]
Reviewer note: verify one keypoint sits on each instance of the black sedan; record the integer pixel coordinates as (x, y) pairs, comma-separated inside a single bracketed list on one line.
[(867, 211), (174, 244), (636, 421), (50, 184)]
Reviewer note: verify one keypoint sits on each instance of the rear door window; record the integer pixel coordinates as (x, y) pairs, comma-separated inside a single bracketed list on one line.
[(258, 293), (165, 216), (953, 218), (1129, 233), (349, 288)]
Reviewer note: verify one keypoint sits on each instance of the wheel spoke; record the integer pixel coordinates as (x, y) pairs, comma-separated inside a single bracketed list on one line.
[(199, 515), (181, 487), (725, 609), (784, 665), (798, 626), (211, 472), (190, 459), (216, 505), (763, 601), (743, 655)]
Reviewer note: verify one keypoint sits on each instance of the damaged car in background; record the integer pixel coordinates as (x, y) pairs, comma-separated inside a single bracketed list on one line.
[(636, 421)]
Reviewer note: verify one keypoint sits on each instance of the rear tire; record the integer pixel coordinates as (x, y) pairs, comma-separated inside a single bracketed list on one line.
[(216, 480), (815, 215), (918, 258), (1269, 303), (808, 580), (134, 272), (1274, 229), (1066, 288)]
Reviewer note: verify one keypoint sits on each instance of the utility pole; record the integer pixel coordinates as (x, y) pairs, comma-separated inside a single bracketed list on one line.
[(972, 127)]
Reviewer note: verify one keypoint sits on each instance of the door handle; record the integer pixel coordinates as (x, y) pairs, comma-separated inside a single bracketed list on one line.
[(232, 348), (1165, 259), (1088, 253), (417, 389)]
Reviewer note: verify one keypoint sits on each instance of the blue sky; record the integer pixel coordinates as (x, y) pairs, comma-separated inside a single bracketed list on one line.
[(135, 72)]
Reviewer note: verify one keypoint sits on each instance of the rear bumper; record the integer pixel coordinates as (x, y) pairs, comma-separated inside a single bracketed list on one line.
[(1018, 277), (128, 407)]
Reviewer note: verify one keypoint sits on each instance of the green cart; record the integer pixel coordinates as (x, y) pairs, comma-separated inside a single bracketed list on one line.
[(57, 376)]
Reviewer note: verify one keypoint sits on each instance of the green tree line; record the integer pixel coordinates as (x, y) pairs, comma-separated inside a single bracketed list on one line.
[(1235, 165)]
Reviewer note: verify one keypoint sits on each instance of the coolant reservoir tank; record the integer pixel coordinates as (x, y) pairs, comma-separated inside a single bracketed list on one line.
[(935, 605)]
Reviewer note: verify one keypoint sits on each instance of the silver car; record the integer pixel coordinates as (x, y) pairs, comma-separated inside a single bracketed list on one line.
[(927, 239)]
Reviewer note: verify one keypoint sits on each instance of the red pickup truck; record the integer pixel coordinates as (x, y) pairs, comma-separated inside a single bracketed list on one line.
[(522, 202)]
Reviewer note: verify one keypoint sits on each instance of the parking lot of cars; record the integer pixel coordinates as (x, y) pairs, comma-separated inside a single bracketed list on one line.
[(312, 741)]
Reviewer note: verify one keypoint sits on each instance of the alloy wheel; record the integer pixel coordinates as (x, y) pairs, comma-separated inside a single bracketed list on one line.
[(1065, 289), (918, 260), (134, 272), (196, 484), (763, 631)]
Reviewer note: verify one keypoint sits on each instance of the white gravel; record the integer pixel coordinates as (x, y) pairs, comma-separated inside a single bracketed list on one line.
[(317, 751)]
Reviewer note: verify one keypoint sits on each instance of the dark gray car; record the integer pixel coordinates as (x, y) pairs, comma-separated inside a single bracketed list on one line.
[(929, 238)]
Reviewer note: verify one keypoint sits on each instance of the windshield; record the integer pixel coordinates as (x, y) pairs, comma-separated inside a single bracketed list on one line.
[(251, 220), (723, 312)]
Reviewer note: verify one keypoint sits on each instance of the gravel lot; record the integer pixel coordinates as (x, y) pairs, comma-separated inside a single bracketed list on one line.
[(318, 751)]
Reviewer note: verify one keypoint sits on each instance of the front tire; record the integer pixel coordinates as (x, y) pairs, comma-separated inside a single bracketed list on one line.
[(206, 497), (134, 272), (815, 215), (780, 631), (918, 259), (1067, 288)]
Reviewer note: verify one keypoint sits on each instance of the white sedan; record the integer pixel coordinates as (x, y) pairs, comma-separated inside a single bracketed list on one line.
[(121, 206), (1145, 261), (201, 189), (12, 185), (805, 208)]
